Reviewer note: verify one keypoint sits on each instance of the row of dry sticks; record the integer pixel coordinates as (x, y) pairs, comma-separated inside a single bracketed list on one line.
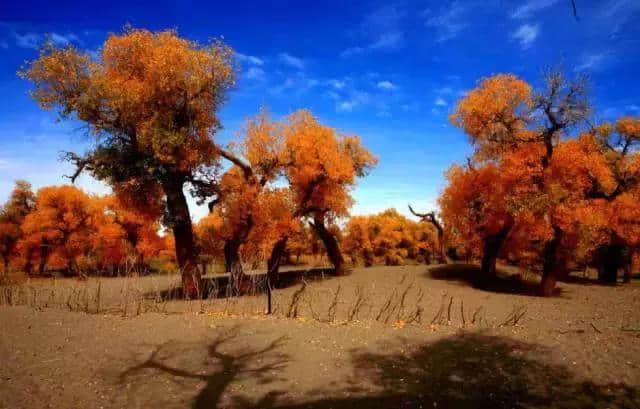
[(402, 305)]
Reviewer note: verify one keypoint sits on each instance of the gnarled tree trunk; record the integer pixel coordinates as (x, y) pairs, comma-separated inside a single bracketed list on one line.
[(273, 264), (552, 267), (5, 259), (490, 251), (611, 260), (330, 244), (233, 266), (431, 218), (183, 234), (273, 268)]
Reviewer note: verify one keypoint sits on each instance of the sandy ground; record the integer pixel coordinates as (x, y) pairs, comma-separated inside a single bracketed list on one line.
[(406, 345)]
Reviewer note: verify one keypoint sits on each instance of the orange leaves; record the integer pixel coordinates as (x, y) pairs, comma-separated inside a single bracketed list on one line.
[(629, 127), (493, 114), (321, 166), (388, 237), (532, 179), (72, 231), (157, 90)]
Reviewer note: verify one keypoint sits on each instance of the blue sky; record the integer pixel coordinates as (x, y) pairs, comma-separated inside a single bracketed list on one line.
[(389, 72)]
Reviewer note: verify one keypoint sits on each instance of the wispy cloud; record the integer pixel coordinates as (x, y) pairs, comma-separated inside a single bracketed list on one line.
[(616, 14), (28, 40), (386, 85), (354, 100), (255, 73), (63, 40), (34, 40), (440, 102), (381, 30), (291, 61), (526, 35), (449, 21), (297, 84), (336, 84), (591, 62), (444, 90), (250, 59), (529, 8)]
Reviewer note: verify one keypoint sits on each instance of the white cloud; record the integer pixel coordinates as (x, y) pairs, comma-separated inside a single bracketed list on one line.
[(33, 40), (591, 62), (381, 31), (632, 108), (345, 106), (28, 40), (440, 102), (63, 40), (297, 84), (526, 35), (291, 61), (387, 85), (4, 163), (255, 73), (529, 8), (388, 41), (250, 59), (444, 91), (450, 21), (356, 99), (332, 95), (337, 84)]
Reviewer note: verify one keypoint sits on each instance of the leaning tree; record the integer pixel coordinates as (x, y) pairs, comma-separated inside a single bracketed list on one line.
[(321, 167)]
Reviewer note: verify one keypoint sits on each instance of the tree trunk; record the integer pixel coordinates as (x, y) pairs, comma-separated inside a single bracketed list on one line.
[(330, 244), (273, 268), (183, 233), (551, 265), (611, 260), (5, 259), (627, 274), (233, 266), (629, 265), (273, 264), (44, 255), (491, 250)]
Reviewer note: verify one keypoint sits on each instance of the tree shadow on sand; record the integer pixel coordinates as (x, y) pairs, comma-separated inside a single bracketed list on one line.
[(469, 370), (502, 283), (218, 287), (229, 365)]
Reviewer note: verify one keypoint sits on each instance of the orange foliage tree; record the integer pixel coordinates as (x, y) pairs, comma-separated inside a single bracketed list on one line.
[(21, 202), (321, 167), (61, 229), (150, 100), (388, 237), (132, 232), (516, 132)]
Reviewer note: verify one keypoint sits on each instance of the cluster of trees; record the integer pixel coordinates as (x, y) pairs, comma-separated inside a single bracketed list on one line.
[(389, 238), (150, 102), (545, 188), (62, 228)]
